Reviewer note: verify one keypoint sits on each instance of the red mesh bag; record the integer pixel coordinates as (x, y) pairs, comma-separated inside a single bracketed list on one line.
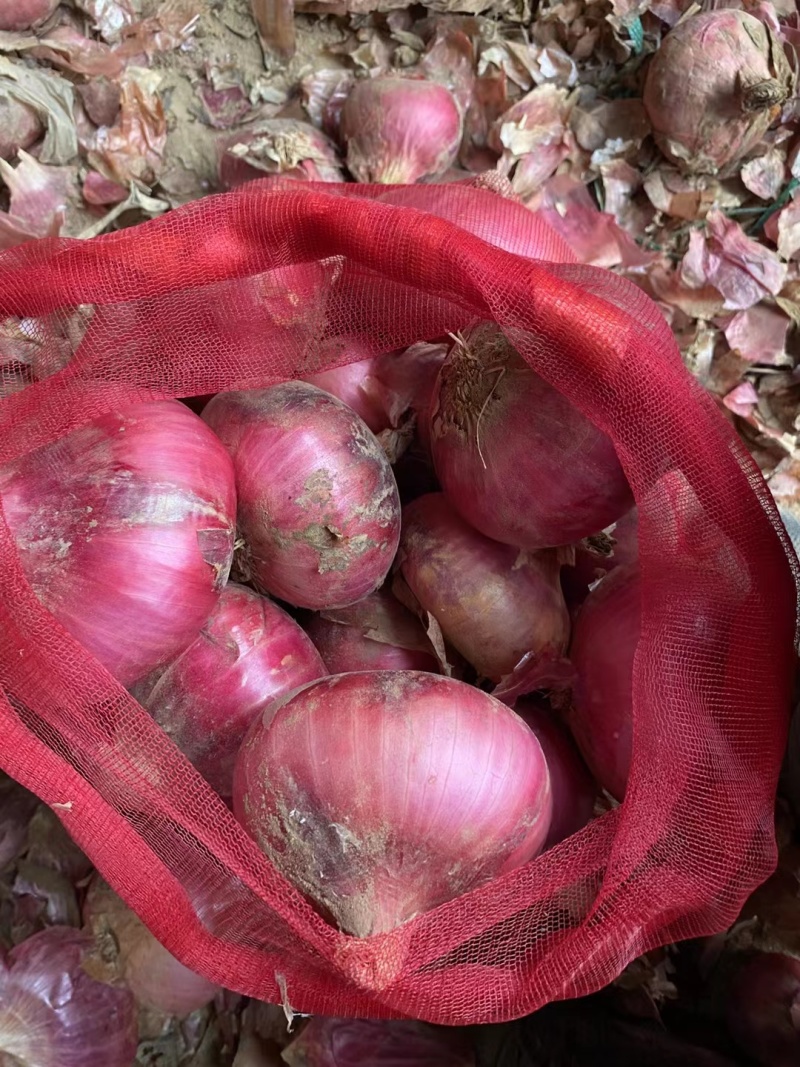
[(172, 316)]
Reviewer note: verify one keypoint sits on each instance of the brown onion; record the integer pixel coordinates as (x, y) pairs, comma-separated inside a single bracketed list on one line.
[(398, 130), (714, 87), (515, 458), (494, 603)]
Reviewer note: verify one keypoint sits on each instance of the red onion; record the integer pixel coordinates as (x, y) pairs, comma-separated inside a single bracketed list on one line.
[(25, 14), (517, 460), (595, 557), (603, 648), (125, 531), (318, 503), (53, 1014), (382, 794), (16, 807), (127, 953), (714, 87), (384, 389), (249, 652), (764, 1009), (375, 634), (493, 603), (355, 386), (572, 787), (398, 130), (377, 1043)]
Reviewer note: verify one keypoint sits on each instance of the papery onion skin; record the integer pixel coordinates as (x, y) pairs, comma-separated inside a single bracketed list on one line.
[(383, 794), (128, 953), (248, 653), (318, 503), (125, 531), (714, 87), (19, 126), (519, 462), (53, 1014), (25, 14), (604, 641), (375, 634), (574, 792), (763, 1008), (494, 603), (398, 130), (596, 557)]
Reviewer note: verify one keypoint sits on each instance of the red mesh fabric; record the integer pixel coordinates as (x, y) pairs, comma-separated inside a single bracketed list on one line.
[(170, 309)]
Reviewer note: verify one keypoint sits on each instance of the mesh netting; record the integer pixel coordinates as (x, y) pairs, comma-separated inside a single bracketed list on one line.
[(275, 281)]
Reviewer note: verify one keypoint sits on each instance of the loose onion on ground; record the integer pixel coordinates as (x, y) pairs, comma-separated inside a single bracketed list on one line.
[(318, 505), (53, 1014), (127, 953), (763, 1008), (603, 647), (494, 603), (515, 458), (377, 1043), (375, 634), (382, 794), (714, 87), (398, 130), (248, 653), (125, 531)]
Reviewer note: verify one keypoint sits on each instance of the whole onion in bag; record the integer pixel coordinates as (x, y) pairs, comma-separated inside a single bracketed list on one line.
[(382, 794), (517, 460), (377, 633), (318, 505), (248, 653), (125, 531), (572, 787), (603, 647), (493, 603)]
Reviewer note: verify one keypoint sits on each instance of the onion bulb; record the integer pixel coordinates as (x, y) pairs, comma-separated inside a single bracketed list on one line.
[(375, 634), (516, 459), (382, 794), (125, 531), (714, 87), (248, 653), (127, 953), (53, 1014), (763, 1008), (325, 1042), (398, 130), (572, 787), (25, 14), (603, 648), (318, 505), (494, 603)]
